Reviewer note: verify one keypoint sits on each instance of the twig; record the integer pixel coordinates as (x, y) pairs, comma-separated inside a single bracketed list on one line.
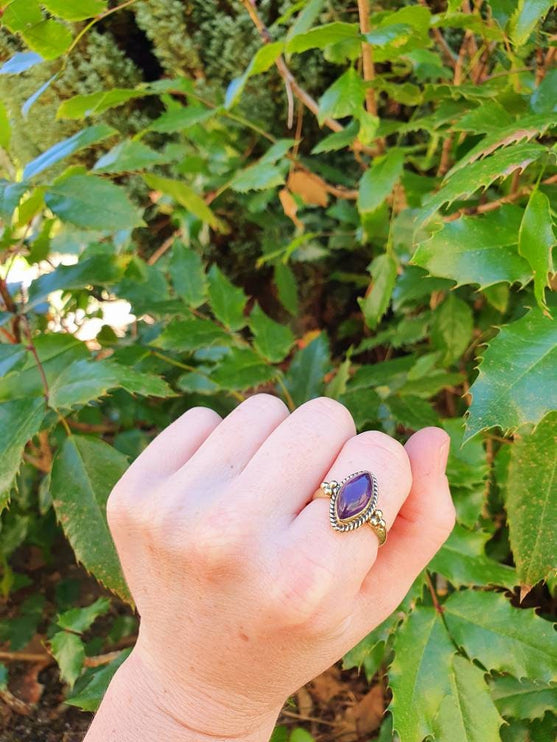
[(493, 205), (301, 717), (367, 56), (166, 245), (284, 71), (436, 604)]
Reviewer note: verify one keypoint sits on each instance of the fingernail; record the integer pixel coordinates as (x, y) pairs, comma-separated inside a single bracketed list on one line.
[(443, 455)]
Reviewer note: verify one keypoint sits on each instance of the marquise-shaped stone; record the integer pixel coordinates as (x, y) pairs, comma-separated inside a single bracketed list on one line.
[(354, 496)]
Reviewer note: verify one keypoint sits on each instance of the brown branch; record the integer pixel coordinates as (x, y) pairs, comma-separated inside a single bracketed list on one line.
[(367, 56), (493, 205), (92, 427), (436, 604), (285, 72)]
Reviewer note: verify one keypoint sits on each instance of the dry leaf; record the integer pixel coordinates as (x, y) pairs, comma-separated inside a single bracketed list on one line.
[(364, 717), (290, 207), (310, 187)]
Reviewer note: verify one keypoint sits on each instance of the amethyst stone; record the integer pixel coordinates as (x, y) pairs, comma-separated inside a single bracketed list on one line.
[(354, 496)]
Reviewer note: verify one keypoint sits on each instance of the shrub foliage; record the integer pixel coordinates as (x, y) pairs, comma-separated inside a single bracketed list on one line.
[(304, 198)]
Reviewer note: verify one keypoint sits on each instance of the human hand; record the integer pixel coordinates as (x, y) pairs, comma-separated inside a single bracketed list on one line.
[(245, 592)]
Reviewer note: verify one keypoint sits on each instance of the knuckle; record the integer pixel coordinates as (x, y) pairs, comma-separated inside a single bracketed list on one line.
[(390, 446), (267, 403), (218, 542), (301, 590), (333, 413)]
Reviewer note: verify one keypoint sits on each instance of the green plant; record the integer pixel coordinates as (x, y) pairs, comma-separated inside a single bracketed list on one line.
[(394, 240)]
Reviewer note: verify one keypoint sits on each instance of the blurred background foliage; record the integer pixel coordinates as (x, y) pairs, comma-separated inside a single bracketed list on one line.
[(200, 200)]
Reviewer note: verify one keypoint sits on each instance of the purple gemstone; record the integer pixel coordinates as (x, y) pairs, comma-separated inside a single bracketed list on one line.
[(354, 496)]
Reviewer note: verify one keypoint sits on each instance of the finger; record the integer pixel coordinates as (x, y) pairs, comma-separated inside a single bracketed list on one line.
[(423, 524), (229, 447), (292, 462), (349, 555), (172, 447)]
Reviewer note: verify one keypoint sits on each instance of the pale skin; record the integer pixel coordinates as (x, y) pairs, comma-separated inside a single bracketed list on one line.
[(244, 590)]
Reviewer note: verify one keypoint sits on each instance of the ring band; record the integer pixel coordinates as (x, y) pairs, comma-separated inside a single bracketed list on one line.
[(353, 503)]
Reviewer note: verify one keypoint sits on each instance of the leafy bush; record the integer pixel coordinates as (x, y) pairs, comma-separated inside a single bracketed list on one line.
[(365, 211)]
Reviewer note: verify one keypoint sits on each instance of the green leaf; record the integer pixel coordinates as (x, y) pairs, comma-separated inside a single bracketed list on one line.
[(21, 14), (197, 382), (451, 328), (10, 196), (128, 156), (97, 270), (526, 17), (480, 174), (79, 620), (304, 379), (272, 339), (84, 472), (467, 472), (301, 735), (305, 20), (338, 139), (93, 104), (462, 561), (55, 352), (344, 97), (411, 411), (191, 334), (20, 420), (476, 250), (322, 36), (3, 678), (337, 386), (522, 699), (85, 380), (416, 16), (468, 714), (379, 180), (535, 242), (182, 118), (227, 300), (419, 675), (90, 693), (48, 38), (69, 652), (530, 502), (185, 196), (20, 632), (188, 275), (242, 369), (264, 59), (74, 10), (527, 350), (501, 637), (258, 177), (92, 203), (287, 287), (524, 128), (11, 357), (383, 270)]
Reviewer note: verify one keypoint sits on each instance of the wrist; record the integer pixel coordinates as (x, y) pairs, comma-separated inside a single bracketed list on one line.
[(139, 707)]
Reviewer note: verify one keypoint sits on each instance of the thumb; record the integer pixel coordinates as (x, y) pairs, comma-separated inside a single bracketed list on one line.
[(424, 522)]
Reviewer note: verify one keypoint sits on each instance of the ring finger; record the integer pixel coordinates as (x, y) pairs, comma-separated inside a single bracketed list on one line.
[(348, 556)]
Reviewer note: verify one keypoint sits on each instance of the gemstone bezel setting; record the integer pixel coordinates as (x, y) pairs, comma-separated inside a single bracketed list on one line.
[(333, 489)]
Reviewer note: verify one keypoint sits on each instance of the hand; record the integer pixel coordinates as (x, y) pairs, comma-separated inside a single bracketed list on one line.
[(245, 592)]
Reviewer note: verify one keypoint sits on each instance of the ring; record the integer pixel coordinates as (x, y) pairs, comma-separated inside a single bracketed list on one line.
[(354, 503)]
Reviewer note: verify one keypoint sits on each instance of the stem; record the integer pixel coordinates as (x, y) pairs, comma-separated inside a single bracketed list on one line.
[(92, 23), (288, 397), (436, 604), (367, 57), (179, 364)]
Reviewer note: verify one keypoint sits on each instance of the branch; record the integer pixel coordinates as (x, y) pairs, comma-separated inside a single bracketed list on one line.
[(367, 56), (284, 71)]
